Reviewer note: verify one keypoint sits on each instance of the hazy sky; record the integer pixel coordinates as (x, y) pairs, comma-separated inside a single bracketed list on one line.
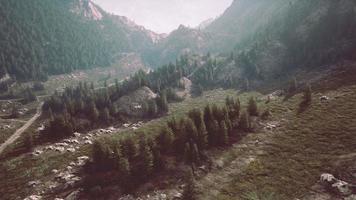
[(163, 16)]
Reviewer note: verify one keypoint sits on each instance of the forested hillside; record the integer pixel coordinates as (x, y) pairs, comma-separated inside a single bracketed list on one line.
[(43, 37), (270, 36)]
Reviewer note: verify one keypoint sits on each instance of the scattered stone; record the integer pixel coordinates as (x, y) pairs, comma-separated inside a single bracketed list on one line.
[(41, 128), (327, 179), (178, 196), (37, 153), (33, 183), (76, 134), (127, 197), (33, 197), (335, 185), (59, 149), (324, 99), (55, 171), (72, 150), (351, 197), (342, 187), (219, 164), (126, 125), (49, 148), (74, 141), (203, 168), (88, 142), (82, 160), (73, 196)]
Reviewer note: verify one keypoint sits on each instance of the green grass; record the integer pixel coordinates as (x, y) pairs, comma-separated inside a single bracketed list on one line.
[(305, 146), (308, 145), (15, 173)]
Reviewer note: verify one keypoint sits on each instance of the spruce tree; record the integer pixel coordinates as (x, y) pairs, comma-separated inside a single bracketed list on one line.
[(224, 135), (129, 149), (145, 157), (190, 190), (208, 115), (213, 132), (307, 94), (252, 107), (94, 113), (105, 115), (197, 117), (244, 122), (165, 139), (152, 109)]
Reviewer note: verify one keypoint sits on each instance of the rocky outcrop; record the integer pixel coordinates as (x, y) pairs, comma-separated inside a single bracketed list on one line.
[(132, 104)]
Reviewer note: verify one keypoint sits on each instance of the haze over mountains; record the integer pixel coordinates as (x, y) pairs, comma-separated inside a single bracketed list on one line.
[(258, 103), (52, 37)]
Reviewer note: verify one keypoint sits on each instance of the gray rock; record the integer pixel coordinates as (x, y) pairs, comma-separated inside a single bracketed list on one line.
[(73, 196), (33, 197)]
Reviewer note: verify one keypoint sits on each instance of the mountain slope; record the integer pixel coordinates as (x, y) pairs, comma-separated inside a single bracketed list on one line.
[(287, 38), (53, 37)]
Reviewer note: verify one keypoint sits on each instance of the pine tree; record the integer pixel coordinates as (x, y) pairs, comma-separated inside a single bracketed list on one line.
[(208, 115), (129, 149), (224, 135), (293, 85), (202, 137), (152, 109), (162, 102), (123, 167), (50, 114), (244, 122), (100, 155), (94, 113), (165, 139), (146, 163), (190, 190), (252, 107), (213, 132), (105, 115), (307, 98), (190, 129)]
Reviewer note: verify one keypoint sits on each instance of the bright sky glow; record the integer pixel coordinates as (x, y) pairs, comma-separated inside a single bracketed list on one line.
[(163, 16)]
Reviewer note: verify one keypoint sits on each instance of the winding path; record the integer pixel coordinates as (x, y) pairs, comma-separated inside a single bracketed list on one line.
[(19, 131)]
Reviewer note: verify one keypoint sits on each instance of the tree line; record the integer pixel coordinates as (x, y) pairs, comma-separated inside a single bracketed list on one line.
[(136, 157)]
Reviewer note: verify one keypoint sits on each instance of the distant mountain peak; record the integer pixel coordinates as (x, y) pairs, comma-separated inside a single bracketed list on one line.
[(87, 9), (205, 23)]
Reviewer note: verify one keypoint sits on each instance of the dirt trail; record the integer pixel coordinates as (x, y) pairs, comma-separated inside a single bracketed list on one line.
[(19, 131)]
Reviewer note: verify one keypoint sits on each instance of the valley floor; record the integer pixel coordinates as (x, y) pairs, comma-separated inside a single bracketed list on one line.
[(282, 159)]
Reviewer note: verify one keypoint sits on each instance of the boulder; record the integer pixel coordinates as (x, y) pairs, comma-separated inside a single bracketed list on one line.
[(73, 196), (324, 98), (33, 183), (72, 150), (33, 197), (178, 196), (59, 149), (76, 134), (37, 152), (49, 148), (351, 197), (88, 142), (327, 179), (342, 188)]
